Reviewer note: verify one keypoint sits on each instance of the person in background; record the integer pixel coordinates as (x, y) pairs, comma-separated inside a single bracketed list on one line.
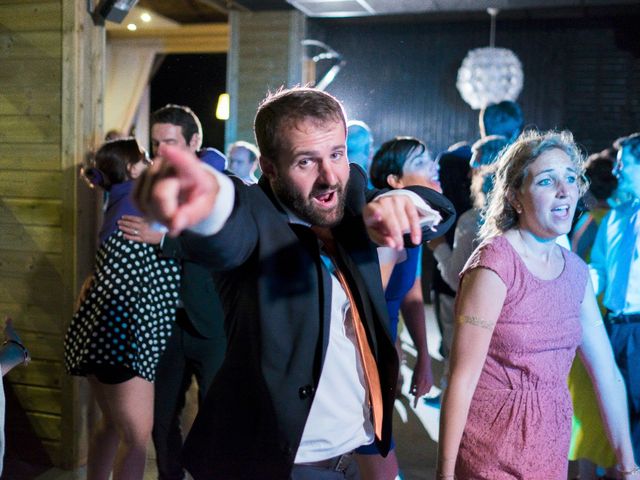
[(496, 121), (451, 259), (504, 118), (12, 353), (402, 162), (456, 182), (615, 271), (589, 444), (121, 327), (359, 144), (524, 305), (114, 134), (594, 205), (242, 160), (310, 370), (197, 344)]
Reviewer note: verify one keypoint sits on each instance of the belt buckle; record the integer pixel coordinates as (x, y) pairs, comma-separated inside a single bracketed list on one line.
[(343, 462)]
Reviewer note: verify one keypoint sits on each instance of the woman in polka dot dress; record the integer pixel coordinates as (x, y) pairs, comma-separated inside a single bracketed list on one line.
[(122, 324)]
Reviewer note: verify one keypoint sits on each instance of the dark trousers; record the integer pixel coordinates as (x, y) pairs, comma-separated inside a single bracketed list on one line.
[(187, 354), (303, 472), (625, 340)]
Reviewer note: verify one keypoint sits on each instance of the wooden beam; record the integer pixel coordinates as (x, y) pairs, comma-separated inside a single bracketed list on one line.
[(200, 38), (82, 94)]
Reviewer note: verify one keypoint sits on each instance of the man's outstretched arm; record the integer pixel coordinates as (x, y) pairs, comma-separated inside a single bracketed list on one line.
[(180, 192)]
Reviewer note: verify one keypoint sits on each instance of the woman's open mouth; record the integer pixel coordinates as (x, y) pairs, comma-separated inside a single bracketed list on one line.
[(561, 211)]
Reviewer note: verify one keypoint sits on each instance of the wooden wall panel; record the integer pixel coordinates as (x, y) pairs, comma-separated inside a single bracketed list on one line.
[(45, 426), (12, 3), (265, 53), (20, 263), (29, 100), (39, 398), (47, 120), (42, 373), (34, 317), (30, 45), (29, 129), (29, 156), (30, 212), (31, 184), (31, 289), (37, 16), (37, 72), (44, 346)]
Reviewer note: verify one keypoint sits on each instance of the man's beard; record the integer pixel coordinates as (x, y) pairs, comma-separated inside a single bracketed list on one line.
[(304, 208)]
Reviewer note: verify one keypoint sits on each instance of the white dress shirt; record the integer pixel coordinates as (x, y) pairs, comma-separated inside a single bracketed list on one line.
[(451, 261), (615, 264)]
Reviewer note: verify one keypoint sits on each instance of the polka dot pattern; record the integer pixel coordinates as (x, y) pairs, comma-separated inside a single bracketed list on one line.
[(128, 313)]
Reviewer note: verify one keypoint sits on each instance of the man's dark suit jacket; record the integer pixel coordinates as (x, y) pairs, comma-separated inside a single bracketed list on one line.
[(276, 297), (197, 292)]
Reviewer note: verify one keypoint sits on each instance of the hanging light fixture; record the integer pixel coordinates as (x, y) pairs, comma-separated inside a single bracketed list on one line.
[(490, 75), (315, 52)]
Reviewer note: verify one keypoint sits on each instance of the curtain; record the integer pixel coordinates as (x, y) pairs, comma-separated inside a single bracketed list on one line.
[(129, 65)]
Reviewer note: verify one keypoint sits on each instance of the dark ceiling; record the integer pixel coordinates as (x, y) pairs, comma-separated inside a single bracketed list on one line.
[(205, 11)]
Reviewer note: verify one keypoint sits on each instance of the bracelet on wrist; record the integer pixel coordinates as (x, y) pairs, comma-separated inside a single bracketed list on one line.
[(25, 352), (635, 469)]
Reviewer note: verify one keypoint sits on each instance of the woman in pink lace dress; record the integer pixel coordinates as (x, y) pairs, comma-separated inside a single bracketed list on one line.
[(524, 306)]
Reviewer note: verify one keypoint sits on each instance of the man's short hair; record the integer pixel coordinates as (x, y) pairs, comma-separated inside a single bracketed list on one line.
[(504, 118), (181, 116), (632, 142), (254, 153), (290, 106)]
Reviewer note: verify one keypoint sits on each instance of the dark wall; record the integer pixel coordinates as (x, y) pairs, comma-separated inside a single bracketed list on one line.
[(580, 74), (195, 81)]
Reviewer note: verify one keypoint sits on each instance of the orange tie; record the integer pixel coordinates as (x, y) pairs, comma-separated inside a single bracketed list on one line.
[(366, 355)]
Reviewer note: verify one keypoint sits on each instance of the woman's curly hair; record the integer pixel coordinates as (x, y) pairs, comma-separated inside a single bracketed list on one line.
[(511, 170)]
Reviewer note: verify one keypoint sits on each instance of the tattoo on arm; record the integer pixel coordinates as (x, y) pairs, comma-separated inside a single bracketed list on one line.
[(477, 321)]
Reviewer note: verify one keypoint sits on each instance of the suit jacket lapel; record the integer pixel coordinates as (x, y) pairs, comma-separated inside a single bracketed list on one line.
[(310, 242)]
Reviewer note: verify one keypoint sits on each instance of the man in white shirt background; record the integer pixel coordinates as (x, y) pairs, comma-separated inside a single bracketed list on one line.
[(615, 270)]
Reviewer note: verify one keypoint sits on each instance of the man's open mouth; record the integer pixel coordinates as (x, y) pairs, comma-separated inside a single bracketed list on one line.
[(325, 198)]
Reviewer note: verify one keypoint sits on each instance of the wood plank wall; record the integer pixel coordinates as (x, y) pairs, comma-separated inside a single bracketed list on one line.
[(579, 73), (265, 53), (50, 89)]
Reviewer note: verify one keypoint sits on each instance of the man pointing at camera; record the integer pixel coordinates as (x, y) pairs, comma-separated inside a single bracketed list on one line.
[(310, 370)]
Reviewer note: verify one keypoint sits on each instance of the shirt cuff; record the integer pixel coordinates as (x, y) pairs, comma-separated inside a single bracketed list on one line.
[(428, 216), (222, 207)]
